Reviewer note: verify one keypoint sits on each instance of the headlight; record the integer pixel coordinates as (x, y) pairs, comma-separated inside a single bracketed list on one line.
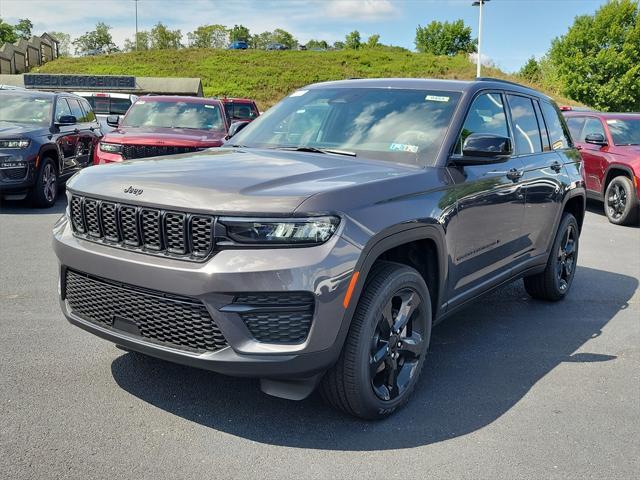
[(15, 143), (110, 147), (302, 231)]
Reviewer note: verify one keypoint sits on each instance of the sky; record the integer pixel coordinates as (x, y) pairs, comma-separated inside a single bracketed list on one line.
[(513, 31)]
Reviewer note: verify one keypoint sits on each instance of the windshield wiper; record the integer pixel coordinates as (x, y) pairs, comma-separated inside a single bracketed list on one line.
[(308, 148)]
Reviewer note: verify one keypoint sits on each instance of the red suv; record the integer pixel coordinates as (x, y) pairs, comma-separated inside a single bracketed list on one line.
[(163, 125), (610, 148)]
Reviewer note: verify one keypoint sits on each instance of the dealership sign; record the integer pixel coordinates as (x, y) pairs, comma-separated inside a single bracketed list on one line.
[(80, 82)]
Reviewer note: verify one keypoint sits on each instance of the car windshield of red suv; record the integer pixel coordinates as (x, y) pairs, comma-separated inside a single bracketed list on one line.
[(200, 116), (20, 108), (625, 131)]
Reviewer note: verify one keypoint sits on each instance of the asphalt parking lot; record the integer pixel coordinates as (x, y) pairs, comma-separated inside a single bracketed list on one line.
[(513, 388)]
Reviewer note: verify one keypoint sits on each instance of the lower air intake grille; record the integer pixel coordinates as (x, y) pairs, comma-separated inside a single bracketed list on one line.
[(179, 322), (276, 317)]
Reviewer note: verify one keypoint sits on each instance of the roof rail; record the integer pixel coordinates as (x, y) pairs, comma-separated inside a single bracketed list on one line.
[(491, 79)]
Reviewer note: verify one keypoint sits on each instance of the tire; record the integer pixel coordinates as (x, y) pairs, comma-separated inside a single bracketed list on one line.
[(621, 201), (555, 281), (358, 384), (45, 190)]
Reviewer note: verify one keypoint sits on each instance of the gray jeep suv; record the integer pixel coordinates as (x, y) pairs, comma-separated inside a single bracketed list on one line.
[(323, 242)]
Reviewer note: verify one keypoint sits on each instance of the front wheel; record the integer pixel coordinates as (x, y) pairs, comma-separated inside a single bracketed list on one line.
[(45, 190), (621, 201), (386, 345), (555, 281)]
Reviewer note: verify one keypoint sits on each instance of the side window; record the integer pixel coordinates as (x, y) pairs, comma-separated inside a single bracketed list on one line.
[(592, 125), (486, 115), (90, 116), (76, 111), (525, 125), (62, 109), (558, 136), (575, 125), (546, 146)]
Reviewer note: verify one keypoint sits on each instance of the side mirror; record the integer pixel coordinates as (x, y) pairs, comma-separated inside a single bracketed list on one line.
[(235, 128), (595, 139), (113, 120), (67, 120), (486, 146)]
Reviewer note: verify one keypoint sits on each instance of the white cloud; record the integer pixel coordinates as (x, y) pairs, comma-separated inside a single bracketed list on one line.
[(361, 9)]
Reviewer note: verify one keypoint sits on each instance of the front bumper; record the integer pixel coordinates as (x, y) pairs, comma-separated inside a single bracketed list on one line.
[(323, 270), (17, 172)]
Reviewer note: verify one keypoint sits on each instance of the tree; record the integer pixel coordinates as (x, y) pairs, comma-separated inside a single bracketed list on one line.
[(7, 32), (531, 70), (317, 44), (352, 40), (161, 38), (598, 60), (261, 40), (23, 28), (239, 33), (64, 43), (285, 38), (338, 45), (142, 44), (98, 40), (209, 36), (373, 41), (445, 38)]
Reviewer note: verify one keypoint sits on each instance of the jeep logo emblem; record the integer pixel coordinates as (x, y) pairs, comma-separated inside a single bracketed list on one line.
[(133, 191)]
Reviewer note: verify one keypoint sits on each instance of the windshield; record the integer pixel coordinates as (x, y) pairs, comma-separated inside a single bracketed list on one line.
[(19, 108), (625, 131), (201, 116), (398, 125)]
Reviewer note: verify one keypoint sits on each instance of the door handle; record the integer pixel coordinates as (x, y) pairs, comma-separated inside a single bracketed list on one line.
[(514, 174), (556, 166)]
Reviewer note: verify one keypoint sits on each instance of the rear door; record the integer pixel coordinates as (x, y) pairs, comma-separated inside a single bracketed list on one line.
[(487, 229), (543, 172)]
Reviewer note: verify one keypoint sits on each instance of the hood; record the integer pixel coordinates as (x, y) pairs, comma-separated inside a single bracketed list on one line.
[(229, 181), (16, 130), (182, 137)]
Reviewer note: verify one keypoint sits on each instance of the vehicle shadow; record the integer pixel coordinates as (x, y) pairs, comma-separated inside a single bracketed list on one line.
[(481, 363), (597, 207), (22, 207)]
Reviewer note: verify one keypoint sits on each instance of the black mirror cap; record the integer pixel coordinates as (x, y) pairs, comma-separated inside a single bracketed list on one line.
[(235, 127), (67, 120), (113, 120), (487, 146), (596, 139)]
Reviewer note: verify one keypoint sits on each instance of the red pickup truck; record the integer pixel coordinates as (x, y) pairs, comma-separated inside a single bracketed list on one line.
[(164, 125)]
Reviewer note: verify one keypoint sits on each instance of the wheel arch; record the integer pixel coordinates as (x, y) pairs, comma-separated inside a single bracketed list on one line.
[(50, 151), (615, 170)]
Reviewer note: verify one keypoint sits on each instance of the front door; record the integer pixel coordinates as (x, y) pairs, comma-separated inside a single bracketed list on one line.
[(67, 139), (487, 229)]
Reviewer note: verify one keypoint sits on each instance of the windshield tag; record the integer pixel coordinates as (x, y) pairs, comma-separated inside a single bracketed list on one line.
[(210, 106), (401, 147), (436, 98), (298, 93), (612, 121)]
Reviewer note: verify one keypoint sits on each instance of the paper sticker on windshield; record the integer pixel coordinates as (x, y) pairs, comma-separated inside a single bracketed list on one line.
[(210, 106), (402, 147), (436, 98), (298, 93), (41, 100), (141, 102), (612, 121)]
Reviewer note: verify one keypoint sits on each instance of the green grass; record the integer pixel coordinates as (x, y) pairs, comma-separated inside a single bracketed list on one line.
[(267, 76)]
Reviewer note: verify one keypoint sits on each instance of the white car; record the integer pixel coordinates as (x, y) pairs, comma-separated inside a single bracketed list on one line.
[(107, 103)]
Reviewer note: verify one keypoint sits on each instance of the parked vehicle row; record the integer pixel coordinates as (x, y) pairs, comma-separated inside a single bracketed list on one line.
[(320, 245), (47, 137)]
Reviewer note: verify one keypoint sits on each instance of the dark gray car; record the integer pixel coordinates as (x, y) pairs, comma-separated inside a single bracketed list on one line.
[(324, 241)]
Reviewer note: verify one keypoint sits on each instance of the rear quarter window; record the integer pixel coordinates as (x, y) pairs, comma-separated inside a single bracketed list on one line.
[(558, 132)]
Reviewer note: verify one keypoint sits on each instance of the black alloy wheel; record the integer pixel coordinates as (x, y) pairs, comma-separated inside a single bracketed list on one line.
[(397, 345), (566, 259)]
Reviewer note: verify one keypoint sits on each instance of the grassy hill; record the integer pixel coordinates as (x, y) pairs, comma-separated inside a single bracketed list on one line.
[(267, 76)]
